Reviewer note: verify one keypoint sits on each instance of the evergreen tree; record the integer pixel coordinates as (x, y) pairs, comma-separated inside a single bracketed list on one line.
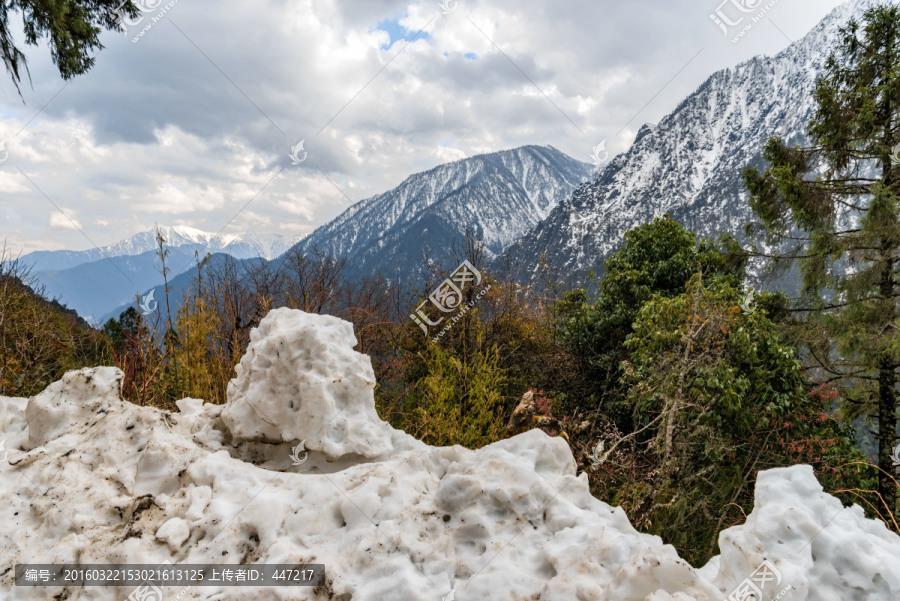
[(658, 258), (834, 206), (73, 27)]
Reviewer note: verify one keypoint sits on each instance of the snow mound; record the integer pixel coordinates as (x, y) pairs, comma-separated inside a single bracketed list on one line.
[(822, 549), (301, 380), (73, 402), (91, 478)]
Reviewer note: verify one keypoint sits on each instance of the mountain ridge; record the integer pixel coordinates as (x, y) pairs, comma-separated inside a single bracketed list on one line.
[(96, 281), (689, 164), (243, 245), (417, 217), (496, 196)]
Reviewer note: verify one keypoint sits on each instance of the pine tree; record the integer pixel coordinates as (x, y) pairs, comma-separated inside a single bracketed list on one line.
[(834, 207), (72, 26)]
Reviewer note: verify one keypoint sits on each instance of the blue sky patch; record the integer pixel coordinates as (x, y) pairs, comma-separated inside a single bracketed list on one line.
[(399, 32)]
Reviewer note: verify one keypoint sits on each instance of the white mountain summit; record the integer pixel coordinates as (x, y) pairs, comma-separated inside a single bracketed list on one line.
[(241, 246)]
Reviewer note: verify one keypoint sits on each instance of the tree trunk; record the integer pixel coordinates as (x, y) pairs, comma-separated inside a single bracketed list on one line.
[(887, 427), (887, 398)]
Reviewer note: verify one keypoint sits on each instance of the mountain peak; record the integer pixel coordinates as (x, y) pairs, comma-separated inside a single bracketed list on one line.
[(498, 196), (192, 233)]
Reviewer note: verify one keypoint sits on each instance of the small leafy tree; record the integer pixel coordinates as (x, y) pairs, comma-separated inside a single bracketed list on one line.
[(202, 370), (655, 259), (135, 351), (716, 396), (459, 403)]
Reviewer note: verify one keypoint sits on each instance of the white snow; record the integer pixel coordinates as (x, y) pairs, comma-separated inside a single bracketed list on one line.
[(320, 392), (174, 532), (91, 478)]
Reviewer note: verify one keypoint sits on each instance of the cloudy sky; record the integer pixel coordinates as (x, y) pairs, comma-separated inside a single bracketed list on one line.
[(192, 121)]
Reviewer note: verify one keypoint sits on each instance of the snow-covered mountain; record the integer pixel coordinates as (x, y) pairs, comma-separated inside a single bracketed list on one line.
[(96, 281), (690, 163), (497, 197), (241, 246)]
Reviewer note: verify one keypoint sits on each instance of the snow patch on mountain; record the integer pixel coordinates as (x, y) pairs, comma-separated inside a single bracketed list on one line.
[(91, 478)]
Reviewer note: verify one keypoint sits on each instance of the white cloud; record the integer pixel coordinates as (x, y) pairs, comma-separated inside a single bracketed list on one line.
[(12, 183), (64, 220), (179, 197), (446, 154), (160, 131)]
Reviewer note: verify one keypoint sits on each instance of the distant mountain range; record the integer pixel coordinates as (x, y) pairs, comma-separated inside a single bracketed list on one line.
[(240, 246), (496, 197), (529, 206), (96, 281)]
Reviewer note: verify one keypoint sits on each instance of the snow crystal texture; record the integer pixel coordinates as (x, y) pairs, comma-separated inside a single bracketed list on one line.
[(301, 380)]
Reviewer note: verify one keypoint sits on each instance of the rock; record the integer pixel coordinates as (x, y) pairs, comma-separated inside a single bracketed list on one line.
[(523, 415)]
